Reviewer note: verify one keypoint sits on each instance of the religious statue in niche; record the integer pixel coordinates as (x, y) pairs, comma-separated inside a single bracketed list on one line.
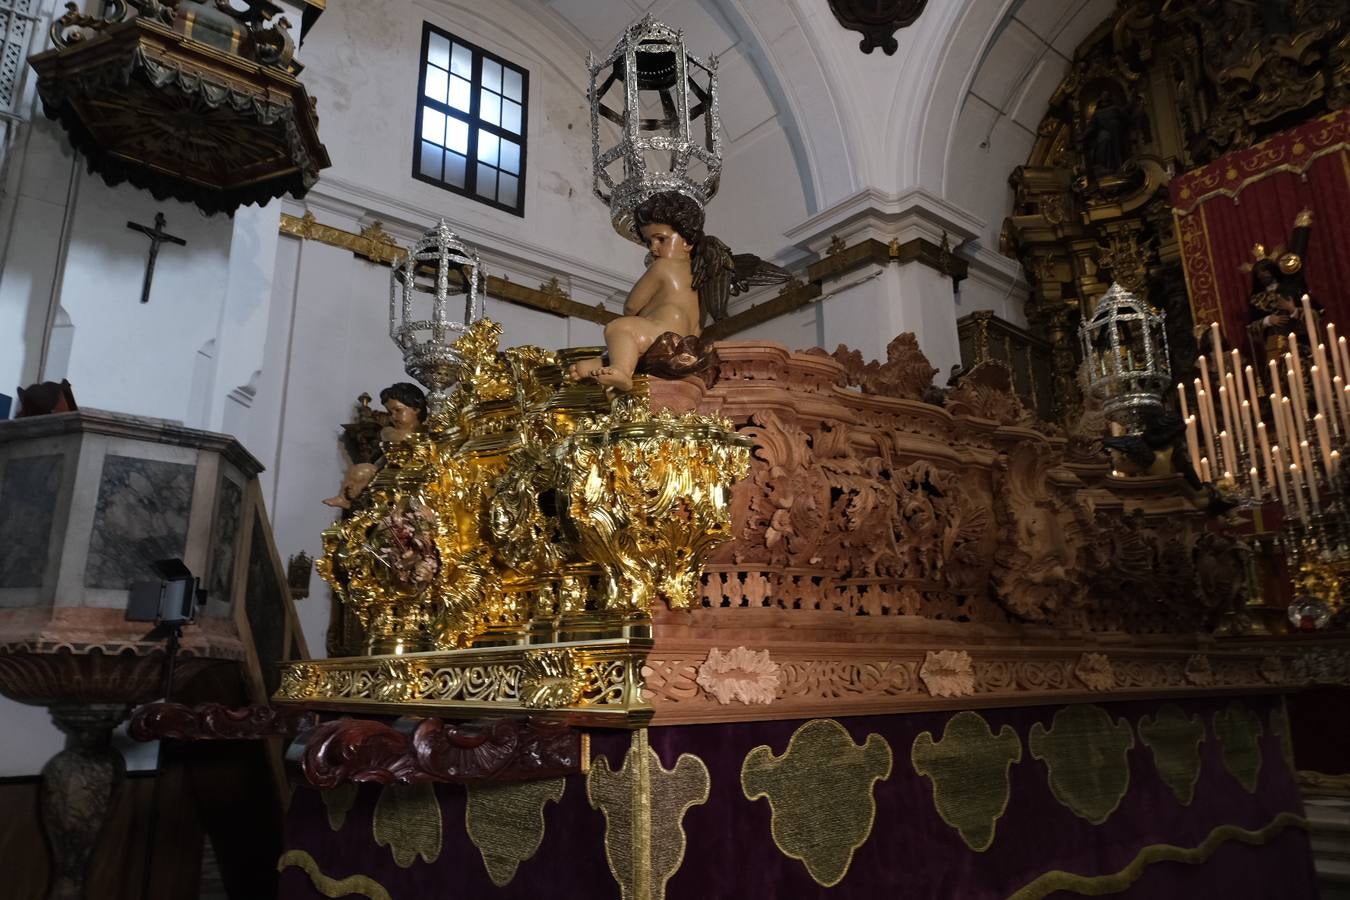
[(406, 408), (1105, 142), (690, 277), (1278, 285)]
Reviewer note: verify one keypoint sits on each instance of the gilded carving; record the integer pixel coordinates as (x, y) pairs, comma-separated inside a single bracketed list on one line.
[(1174, 738), (748, 676), (1084, 753), (550, 679), (523, 498), (969, 770), (820, 794), (644, 805), (506, 822)]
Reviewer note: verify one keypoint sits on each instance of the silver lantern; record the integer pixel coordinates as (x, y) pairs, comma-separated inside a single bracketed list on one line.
[(422, 289), (1125, 347), (663, 101)]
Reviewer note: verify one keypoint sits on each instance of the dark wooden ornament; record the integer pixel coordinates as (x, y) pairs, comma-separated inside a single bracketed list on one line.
[(877, 20)]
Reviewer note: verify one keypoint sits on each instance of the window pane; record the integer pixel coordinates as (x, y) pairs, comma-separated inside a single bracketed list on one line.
[(456, 134), (459, 93), (489, 106), (506, 189), (438, 51), (487, 181), (492, 75), (435, 88), (510, 156), (431, 160), (487, 148), (433, 125), (512, 84), (462, 62), (454, 169), (511, 116)]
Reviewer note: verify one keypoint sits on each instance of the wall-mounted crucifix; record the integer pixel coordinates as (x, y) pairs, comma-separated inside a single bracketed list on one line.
[(157, 236)]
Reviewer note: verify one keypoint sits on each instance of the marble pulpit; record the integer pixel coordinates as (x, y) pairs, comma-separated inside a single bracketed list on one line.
[(88, 501)]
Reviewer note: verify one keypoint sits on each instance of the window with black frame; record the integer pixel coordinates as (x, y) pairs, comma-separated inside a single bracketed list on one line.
[(471, 116)]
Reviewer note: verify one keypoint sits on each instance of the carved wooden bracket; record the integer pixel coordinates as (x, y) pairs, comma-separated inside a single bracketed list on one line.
[(409, 751), (216, 722), (415, 751), (877, 20)]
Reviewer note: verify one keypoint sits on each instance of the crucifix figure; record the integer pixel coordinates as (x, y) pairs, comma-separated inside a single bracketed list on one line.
[(157, 236)]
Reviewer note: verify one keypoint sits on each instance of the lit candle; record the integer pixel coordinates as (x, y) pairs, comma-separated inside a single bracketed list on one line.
[(1247, 428), (1264, 440), (1323, 442), (1230, 457), (1218, 347), (1335, 461), (1181, 398), (1206, 417), (1278, 458), (1326, 400), (1321, 390), (1297, 483), (1309, 475), (1297, 393), (1343, 354), (1204, 469), (1338, 388), (1256, 488), (1192, 441), (1309, 321)]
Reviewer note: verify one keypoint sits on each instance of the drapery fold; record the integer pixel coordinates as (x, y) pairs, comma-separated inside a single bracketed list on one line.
[(1253, 196)]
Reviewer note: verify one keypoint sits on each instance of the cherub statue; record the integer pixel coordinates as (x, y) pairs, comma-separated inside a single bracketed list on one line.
[(406, 406), (689, 277)]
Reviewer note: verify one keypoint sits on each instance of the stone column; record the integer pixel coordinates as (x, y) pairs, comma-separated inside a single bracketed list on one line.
[(907, 286), (77, 790)]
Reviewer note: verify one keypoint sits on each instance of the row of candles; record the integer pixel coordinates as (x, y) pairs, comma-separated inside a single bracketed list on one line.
[(1304, 448)]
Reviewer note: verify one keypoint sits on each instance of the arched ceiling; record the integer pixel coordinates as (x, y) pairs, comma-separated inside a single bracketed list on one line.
[(952, 112)]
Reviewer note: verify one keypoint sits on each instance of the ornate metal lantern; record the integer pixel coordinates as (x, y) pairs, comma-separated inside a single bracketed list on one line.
[(438, 267), (1125, 347), (645, 87)]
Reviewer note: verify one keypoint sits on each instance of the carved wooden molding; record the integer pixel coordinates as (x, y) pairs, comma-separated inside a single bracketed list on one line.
[(217, 722), (840, 261), (360, 750), (899, 677)]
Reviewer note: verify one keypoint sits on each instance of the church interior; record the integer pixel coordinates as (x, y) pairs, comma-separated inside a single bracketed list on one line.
[(674, 449)]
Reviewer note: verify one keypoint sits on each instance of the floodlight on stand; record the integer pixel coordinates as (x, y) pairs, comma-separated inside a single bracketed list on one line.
[(663, 101)]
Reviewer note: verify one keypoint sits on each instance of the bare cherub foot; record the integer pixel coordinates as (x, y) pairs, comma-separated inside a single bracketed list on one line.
[(587, 368), (612, 377), (340, 502)]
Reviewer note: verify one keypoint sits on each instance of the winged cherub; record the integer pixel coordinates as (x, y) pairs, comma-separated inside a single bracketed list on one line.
[(689, 278)]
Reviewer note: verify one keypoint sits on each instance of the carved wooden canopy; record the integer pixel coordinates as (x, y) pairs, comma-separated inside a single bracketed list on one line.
[(184, 105)]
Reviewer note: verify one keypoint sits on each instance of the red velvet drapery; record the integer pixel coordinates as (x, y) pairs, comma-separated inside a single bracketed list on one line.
[(1252, 196)]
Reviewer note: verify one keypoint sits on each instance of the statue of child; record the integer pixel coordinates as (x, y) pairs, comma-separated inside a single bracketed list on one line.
[(664, 300), (407, 408)]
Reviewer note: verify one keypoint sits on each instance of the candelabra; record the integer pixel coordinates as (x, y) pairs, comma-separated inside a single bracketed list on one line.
[(1294, 461)]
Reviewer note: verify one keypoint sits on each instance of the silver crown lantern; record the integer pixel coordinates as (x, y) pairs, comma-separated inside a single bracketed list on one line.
[(438, 268), (664, 101), (1125, 347)]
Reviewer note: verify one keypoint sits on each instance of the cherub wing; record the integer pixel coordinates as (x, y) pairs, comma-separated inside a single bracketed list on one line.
[(721, 275)]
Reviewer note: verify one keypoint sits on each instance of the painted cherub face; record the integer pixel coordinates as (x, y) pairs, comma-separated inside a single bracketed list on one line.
[(401, 416), (664, 242)]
